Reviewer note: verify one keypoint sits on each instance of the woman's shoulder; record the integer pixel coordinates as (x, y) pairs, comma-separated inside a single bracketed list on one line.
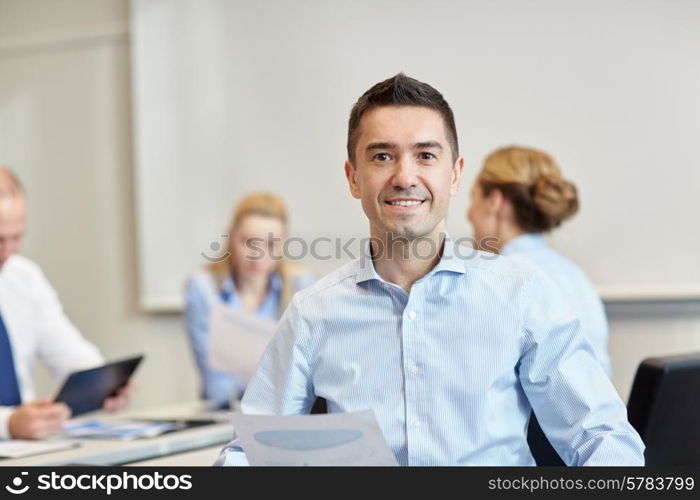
[(202, 283), (564, 272), (299, 276)]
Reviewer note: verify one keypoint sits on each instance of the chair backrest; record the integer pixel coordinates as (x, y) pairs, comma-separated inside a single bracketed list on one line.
[(320, 406), (542, 450), (664, 408)]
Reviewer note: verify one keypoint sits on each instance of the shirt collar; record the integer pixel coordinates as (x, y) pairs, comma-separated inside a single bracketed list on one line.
[(228, 286), (450, 261), (524, 242)]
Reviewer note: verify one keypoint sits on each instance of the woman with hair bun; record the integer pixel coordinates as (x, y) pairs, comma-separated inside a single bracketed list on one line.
[(518, 195)]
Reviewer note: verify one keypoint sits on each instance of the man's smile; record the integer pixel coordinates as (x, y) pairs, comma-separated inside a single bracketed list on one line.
[(404, 204)]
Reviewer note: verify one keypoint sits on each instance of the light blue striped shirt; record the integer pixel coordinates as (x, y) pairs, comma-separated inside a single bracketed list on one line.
[(573, 282), (451, 369)]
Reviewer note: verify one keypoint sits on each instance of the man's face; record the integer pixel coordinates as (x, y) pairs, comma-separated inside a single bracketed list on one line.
[(12, 225), (403, 172)]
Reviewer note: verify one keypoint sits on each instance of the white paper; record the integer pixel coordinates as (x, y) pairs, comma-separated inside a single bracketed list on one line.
[(123, 430), (237, 340), (336, 439), (18, 448)]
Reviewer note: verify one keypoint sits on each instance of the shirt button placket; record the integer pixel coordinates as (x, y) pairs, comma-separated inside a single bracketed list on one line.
[(412, 373)]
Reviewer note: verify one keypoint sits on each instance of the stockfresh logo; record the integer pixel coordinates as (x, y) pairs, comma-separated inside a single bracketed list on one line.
[(18, 487)]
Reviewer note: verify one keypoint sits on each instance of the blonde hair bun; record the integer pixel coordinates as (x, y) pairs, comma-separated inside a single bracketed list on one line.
[(556, 198), (532, 181)]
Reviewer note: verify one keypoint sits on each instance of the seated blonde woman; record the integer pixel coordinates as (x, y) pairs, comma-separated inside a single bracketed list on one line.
[(519, 195), (250, 279)]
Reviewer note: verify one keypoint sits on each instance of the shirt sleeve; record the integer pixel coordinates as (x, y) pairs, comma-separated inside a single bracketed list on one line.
[(282, 382), (601, 324), (217, 386), (61, 347), (575, 402)]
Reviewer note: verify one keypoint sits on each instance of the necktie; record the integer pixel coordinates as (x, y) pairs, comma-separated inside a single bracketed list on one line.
[(9, 389)]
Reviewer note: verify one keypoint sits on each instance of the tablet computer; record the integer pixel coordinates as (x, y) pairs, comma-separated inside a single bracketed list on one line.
[(86, 390)]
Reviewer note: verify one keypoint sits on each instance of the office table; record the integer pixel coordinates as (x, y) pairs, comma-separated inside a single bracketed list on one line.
[(201, 457), (114, 452)]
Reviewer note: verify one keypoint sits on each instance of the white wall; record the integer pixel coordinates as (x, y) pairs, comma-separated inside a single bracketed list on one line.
[(65, 127), (642, 330), (257, 94)]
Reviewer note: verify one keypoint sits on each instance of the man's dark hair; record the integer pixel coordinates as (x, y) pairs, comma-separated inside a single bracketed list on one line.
[(401, 90)]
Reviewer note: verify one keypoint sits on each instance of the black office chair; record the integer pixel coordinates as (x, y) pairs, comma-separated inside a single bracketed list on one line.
[(320, 406), (542, 450), (664, 408)]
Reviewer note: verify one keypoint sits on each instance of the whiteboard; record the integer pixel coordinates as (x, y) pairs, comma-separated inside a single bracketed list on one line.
[(234, 96)]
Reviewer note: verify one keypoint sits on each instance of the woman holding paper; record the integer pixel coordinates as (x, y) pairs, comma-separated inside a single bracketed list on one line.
[(251, 277)]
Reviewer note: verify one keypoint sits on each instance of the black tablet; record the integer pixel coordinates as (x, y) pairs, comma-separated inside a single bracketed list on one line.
[(86, 390)]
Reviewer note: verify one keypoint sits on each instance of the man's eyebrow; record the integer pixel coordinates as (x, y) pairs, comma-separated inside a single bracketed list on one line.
[(428, 145), (380, 145)]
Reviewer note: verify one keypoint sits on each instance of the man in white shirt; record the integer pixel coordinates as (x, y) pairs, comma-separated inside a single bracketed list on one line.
[(33, 327)]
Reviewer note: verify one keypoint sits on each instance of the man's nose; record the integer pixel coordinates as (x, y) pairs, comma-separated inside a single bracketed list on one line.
[(405, 173)]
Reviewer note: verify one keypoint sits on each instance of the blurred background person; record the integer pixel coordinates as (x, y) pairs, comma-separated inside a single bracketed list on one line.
[(254, 278), (33, 327), (518, 195)]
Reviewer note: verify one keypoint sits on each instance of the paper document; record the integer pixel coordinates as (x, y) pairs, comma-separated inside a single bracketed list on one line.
[(238, 340), (18, 448), (336, 439), (118, 429)]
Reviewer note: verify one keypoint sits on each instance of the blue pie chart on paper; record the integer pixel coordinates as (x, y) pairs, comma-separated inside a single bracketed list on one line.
[(307, 439)]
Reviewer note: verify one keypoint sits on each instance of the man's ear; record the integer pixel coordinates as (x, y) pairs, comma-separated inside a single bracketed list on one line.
[(350, 172), (456, 175)]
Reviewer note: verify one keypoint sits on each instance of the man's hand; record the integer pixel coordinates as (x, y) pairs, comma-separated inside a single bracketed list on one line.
[(38, 419), (121, 399)]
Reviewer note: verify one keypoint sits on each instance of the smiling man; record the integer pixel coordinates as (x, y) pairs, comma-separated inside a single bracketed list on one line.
[(449, 348)]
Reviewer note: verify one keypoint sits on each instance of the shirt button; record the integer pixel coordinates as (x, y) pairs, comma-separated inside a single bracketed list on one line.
[(412, 315), (416, 423), (413, 368)]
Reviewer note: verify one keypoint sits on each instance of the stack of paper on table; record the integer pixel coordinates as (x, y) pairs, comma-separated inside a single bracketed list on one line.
[(118, 429)]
